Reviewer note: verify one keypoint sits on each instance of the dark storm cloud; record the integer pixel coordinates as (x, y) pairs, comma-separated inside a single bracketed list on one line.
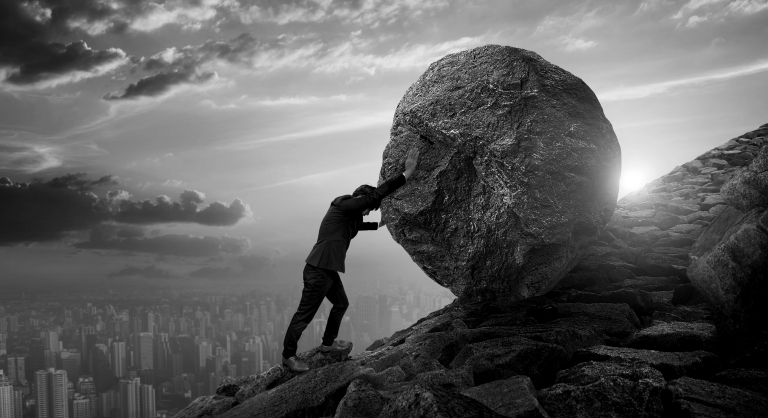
[(186, 66), (46, 210), (149, 272), (108, 237), (29, 53), (164, 210), (160, 83)]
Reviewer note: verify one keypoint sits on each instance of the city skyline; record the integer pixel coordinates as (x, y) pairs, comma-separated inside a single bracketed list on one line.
[(123, 354)]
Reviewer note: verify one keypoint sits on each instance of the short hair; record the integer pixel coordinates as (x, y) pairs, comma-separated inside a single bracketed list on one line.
[(365, 190)]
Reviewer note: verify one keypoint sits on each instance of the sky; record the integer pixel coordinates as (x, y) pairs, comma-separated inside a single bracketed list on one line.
[(185, 141)]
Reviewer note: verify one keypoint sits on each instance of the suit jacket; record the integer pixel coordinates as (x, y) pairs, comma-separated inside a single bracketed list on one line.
[(341, 223)]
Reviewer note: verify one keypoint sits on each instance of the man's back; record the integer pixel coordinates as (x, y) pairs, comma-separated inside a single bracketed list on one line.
[(341, 223)]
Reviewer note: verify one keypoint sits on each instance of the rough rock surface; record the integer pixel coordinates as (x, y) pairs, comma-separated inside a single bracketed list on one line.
[(361, 400), (749, 188), (514, 397), (607, 389), (687, 397), (675, 336), (419, 401), (671, 365), (755, 380), (518, 172), (730, 265)]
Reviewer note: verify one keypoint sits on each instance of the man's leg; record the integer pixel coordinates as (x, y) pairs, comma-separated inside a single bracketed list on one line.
[(338, 297), (316, 285)]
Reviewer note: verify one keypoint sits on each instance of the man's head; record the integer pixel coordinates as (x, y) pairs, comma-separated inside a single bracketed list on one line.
[(364, 190)]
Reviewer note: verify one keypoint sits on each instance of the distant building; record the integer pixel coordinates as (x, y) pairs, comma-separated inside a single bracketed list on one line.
[(130, 404), (17, 369), (103, 375), (6, 397), (51, 341), (118, 358), (147, 401), (69, 361), (81, 407), (146, 351), (51, 393), (109, 404)]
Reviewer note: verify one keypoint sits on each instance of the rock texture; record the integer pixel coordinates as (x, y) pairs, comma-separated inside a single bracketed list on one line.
[(730, 261), (514, 397), (518, 172), (687, 397), (608, 389)]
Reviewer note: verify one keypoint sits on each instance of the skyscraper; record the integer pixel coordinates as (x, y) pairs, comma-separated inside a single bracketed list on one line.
[(109, 404), (18, 406), (69, 361), (6, 397), (118, 358), (16, 369), (81, 407), (146, 351), (51, 341), (129, 398), (147, 401), (103, 375), (203, 349), (51, 391), (162, 353)]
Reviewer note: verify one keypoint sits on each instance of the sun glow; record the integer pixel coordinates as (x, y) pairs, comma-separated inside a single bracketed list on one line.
[(632, 180)]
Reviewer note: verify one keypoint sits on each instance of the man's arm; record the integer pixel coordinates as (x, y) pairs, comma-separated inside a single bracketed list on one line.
[(367, 226), (388, 187), (372, 200)]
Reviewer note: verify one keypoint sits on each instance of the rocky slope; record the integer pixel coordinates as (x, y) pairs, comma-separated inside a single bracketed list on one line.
[(625, 334)]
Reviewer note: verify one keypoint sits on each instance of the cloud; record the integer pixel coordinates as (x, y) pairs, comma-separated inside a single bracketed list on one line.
[(647, 90), (112, 237), (194, 65), (47, 210), (148, 272), (190, 65), (301, 100), (174, 183), (365, 12), (164, 210), (161, 83), (577, 44), (696, 12), (31, 58), (28, 157)]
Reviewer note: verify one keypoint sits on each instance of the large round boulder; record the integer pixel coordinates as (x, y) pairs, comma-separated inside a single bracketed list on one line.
[(518, 172)]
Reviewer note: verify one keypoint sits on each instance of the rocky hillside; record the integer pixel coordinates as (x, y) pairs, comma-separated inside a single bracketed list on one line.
[(625, 334)]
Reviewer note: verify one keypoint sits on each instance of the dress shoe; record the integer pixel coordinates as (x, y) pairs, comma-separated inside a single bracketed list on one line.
[(295, 365), (336, 346)]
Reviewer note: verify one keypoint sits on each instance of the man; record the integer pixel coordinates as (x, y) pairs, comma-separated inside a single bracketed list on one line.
[(321, 273)]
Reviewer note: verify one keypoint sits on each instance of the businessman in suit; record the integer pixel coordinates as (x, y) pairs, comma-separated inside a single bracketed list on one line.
[(321, 273)]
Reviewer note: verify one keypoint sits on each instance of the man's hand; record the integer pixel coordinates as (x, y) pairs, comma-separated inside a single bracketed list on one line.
[(411, 160)]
